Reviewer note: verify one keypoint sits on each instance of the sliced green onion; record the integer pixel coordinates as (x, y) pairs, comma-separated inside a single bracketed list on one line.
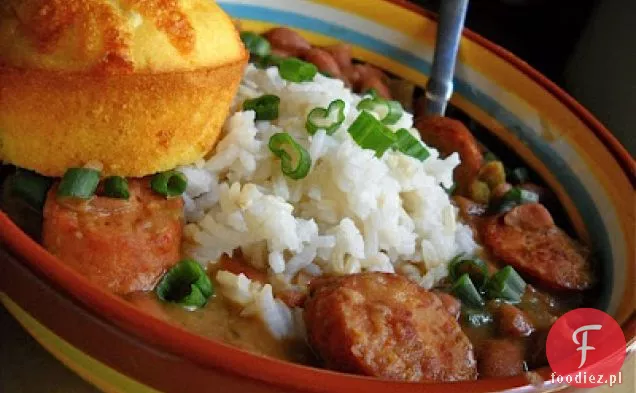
[(268, 61), (186, 284), (30, 187), (514, 197), (369, 133), (78, 183), (466, 291), (476, 317), (390, 112), (256, 44), (519, 175), (169, 184), (450, 191), (266, 107), (328, 119), (116, 187), (474, 267), (410, 145), (371, 92), (296, 70), (295, 160), (507, 285)]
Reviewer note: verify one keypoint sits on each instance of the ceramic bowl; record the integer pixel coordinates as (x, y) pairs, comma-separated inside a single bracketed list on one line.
[(119, 349)]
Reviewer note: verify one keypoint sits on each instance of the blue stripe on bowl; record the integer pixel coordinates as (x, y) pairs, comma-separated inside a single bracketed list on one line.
[(559, 167)]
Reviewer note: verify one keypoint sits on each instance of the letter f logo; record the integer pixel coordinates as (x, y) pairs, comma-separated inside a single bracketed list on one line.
[(584, 347)]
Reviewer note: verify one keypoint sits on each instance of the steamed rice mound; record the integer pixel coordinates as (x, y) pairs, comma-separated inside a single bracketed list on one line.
[(352, 213)]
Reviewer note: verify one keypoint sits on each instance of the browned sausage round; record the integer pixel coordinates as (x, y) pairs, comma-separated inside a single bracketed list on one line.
[(287, 40), (532, 244), (451, 303), (448, 136), (384, 325), (120, 245), (324, 61), (500, 358)]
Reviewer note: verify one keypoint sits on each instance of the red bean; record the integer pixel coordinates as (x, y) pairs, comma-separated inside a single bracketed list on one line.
[(280, 53), (377, 84), (288, 40), (531, 216), (324, 61), (513, 321), (342, 54)]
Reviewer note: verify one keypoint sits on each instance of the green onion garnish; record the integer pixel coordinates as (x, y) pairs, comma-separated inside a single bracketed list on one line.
[(514, 197), (371, 92), (466, 291), (451, 190), (116, 187), (410, 145), (30, 187), (267, 61), (369, 133), (78, 183), (266, 107), (519, 175), (169, 184), (295, 160), (507, 285), (186, 284), (296, 70), (476, 317), (474, 267), (390, 112), (328, 119), (256, 44)]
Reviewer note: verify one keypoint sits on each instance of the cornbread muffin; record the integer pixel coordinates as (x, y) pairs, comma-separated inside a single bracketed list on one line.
[(141, 86)]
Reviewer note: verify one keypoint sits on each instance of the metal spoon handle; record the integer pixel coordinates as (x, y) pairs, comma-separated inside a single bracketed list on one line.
[(439, 88)]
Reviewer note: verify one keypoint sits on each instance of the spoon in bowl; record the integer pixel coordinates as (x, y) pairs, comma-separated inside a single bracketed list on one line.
[(439, 87)]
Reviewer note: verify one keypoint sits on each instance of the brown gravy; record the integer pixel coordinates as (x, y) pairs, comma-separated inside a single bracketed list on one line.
[(219, 320)]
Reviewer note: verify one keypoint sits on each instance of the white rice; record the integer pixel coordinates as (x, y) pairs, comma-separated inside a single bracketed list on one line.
[(353, 212)]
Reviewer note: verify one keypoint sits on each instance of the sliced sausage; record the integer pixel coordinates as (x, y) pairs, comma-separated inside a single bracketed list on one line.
[(287, 40), (448, 136), (120, 245), (539, 249), (513, 321), (450, 303), (384, 325), (500, 358)]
